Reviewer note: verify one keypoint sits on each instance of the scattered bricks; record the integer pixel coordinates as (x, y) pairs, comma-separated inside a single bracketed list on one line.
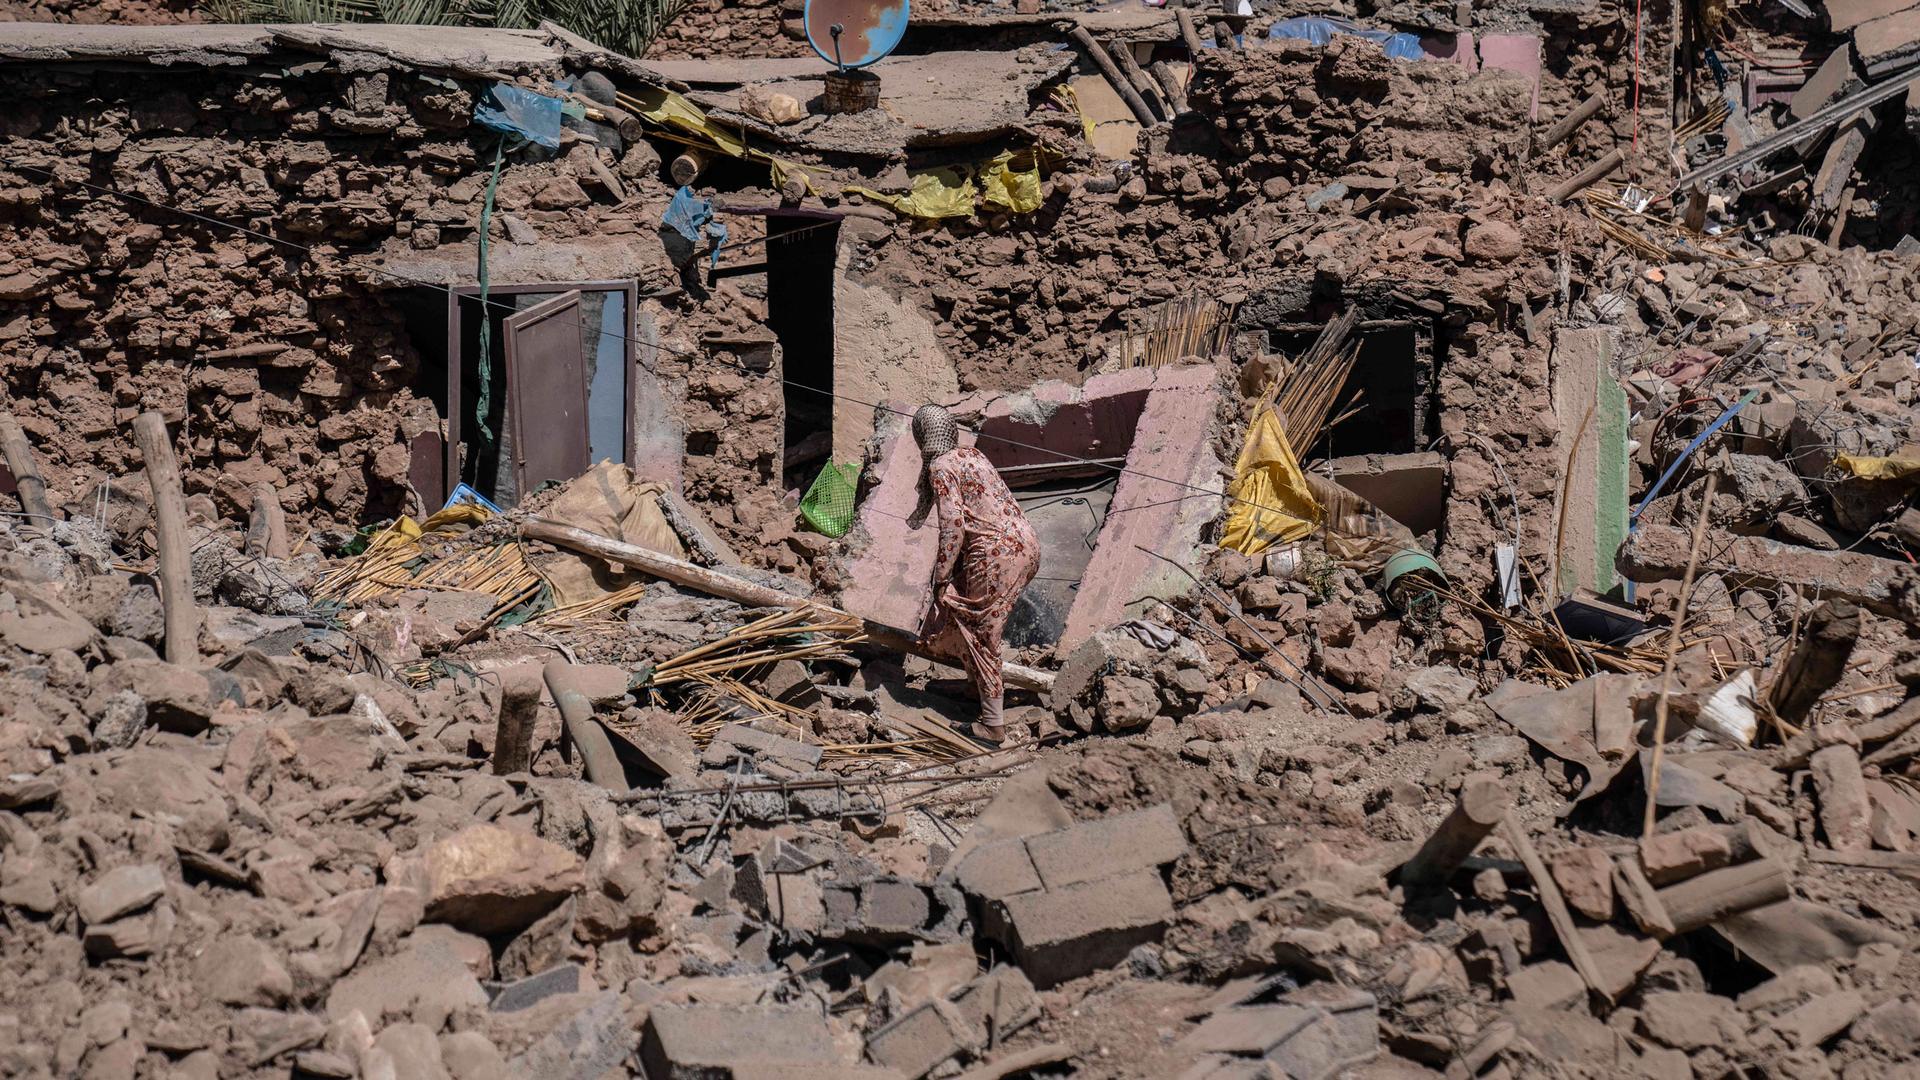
[(701, 1042), (1846, 814), (1249, 1030), (921, 1039), (488, 879), (1820, 1019), (121, 891), (1790, 987), (1549, 984), (530, 991), (882, 911), (757, 742), (1001, 1001), (1061, 934), (1113, 845), (1678, 855), (1351, 1030), (1691, 1021), (998, 870), (1585, 877), (242, 971)]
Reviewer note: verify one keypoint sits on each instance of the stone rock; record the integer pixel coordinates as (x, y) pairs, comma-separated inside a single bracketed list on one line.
[(120, 892), (771, 106), (242, 971), (1673, 856), (414, 1051), (1128, 703), (1495, 242), (179, 699), (1441, 689), (560, 193), (1893, 1027), (492, 880), (1691, 1021), (1585, 876), (469, 1055), (425, 982)]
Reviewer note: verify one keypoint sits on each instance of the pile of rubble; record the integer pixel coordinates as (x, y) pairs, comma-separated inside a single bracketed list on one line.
[(1619, 780)]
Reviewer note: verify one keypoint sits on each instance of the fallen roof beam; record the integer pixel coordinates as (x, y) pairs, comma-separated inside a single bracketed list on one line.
[(739, 590), (1885, 587), (1788, 136)]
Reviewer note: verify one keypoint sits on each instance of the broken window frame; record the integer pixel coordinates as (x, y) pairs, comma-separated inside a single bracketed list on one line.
[(456, 402)]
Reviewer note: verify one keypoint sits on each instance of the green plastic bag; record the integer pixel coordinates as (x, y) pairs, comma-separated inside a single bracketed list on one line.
[(828, 505)]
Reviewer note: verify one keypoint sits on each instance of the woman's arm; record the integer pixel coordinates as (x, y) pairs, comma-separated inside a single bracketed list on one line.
[(946, 493)]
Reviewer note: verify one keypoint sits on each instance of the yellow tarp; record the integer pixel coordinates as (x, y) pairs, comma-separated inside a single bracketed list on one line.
[(405, 530), (1005, 187), (1272, 502), (1904, 466), (669, 110), (944, 192)]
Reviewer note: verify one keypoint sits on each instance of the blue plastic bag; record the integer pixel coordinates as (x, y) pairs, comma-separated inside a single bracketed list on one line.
[(513, 111), (692, 217), (1318, 30)]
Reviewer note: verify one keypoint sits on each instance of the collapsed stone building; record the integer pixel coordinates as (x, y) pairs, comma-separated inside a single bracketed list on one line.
[(1618, 780)]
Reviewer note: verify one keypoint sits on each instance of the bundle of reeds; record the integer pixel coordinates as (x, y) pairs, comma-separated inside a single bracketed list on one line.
[(395, 562), (590, 614), (803, 633), (1304, 394), (1195, 325)]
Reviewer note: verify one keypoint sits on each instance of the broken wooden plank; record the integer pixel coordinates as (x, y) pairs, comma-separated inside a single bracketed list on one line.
[(740, 591), (1113, 76), (1559, 916), (181, 616), (27, 481), (1716, 894), (1793, 133), (1571, 122), (1481, 805)]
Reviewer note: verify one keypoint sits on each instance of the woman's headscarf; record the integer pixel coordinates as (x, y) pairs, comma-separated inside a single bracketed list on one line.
[(937, 432)]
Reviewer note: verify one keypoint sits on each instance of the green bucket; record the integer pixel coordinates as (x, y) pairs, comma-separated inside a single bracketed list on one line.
[(1402, 578)]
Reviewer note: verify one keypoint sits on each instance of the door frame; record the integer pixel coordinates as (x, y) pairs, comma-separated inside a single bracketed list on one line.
[(456, 407)]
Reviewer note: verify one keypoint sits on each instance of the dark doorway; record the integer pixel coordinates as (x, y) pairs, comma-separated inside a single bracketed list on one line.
[(1388, 392), (801, 250)]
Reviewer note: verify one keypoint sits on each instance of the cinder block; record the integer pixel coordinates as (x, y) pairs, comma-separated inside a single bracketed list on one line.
[(1061, 934), (1141, 840), (700, 1042), (920, 1040), (998, 870), (1002, 1000)]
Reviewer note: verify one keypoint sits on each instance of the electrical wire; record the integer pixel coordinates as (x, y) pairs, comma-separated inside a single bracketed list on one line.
[(657, 349)]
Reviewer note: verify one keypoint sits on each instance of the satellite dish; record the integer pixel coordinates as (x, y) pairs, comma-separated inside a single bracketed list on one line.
[(854, 33)]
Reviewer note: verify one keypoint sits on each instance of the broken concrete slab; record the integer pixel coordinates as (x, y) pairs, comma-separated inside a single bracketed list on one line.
[(1590, 406), (1885, 587), (1409, 488), (697, 1042), (1142, 840), (1160, 419), (1061, 934)]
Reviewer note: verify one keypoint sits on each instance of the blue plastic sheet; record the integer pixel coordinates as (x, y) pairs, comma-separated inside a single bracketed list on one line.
[(692, 217), (515, 111), (1318, 30)]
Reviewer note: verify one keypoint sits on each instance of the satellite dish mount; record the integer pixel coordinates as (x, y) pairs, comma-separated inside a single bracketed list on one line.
[(851, 35)]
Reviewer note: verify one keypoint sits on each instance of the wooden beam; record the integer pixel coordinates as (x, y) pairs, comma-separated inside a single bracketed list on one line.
[(1558, 914), (728, 587), (1481, 806), (26, 470), (182, 616), (267, 529), (599, 762), (1114, 78)]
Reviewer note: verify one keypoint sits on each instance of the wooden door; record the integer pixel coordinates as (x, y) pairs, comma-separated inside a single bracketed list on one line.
[(547, 381)]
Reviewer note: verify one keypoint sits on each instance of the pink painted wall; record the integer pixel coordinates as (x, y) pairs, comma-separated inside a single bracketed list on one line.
[(1457, 48), (888, 566), (1518, 53)]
